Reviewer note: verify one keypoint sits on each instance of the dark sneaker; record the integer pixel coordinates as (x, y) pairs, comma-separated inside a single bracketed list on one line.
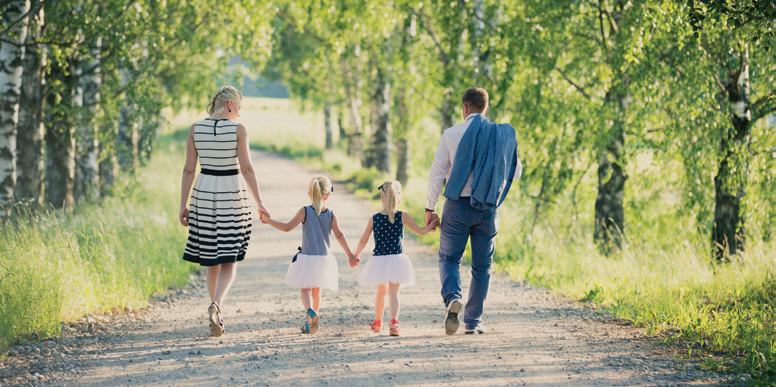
[(451, 320), (478, 330)]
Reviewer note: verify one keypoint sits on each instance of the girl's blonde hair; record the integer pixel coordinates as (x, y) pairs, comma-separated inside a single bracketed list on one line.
[(221, 97), (392, 191), (320, 189)]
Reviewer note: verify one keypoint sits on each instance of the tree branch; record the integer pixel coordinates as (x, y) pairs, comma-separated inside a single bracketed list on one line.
[(579, 88), (429, 27), (764, 105)]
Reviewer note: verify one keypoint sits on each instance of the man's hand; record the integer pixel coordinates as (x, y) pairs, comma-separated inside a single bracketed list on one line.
[(431, 216)]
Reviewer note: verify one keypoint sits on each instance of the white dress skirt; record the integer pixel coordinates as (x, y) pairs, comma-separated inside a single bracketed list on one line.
[(313, 271), (381, 269)]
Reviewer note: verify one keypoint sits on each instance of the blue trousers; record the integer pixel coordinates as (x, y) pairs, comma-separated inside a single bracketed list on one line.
[(461, 221)]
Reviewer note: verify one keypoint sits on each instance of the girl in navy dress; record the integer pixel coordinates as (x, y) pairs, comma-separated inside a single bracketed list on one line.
[(314, 267), (389, 268)]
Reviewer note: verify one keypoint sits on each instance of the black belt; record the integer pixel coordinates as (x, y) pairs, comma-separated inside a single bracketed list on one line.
[(216, 172)]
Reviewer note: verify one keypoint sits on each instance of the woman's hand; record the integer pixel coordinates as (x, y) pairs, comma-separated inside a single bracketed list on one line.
[(263, 217), (183, 216), (263, 211)]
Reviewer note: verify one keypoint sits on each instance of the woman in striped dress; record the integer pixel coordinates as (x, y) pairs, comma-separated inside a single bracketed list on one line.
[(219, 217)]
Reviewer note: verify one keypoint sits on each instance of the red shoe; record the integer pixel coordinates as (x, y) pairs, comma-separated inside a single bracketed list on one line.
[(376, 326), (395, 328)]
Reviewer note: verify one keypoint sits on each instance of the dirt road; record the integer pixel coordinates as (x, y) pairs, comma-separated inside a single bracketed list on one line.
[(536, 338)]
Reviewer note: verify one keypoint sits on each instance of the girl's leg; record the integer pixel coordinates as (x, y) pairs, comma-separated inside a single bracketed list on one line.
[(224, 282), (307, 299), (393, 296), (316, 299), (212, 277), (380, 301)]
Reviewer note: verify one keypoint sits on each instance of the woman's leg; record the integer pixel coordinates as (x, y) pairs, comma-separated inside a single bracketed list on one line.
[(224, 281), (212, 278), (316, 299), (393, 296), (380, 301)]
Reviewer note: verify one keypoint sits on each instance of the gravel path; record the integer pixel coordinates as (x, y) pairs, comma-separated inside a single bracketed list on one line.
[(535, 338)]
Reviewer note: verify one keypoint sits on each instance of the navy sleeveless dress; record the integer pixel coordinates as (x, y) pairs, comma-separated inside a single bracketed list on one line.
[(388, 262)]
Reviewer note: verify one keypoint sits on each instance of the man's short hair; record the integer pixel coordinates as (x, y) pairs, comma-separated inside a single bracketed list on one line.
[(476, 98)]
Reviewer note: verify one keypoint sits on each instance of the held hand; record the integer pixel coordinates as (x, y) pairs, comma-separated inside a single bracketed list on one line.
[(263, 212), (183, 216), (353, 261), (263, 217), (432, 217)]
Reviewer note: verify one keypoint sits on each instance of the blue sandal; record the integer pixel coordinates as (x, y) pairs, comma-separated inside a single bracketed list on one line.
[(306, 328), (316, 318)]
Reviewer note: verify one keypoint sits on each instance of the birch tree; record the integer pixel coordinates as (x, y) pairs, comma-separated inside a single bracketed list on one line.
[(30, 157), (15, 15)]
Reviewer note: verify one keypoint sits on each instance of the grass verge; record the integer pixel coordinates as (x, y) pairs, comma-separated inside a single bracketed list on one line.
[(56, 267)]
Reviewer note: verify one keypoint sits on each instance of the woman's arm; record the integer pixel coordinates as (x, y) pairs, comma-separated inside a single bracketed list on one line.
[(364, 238), (246, 167), (290, 225), (407, 220), (189, 172), (335, 228)]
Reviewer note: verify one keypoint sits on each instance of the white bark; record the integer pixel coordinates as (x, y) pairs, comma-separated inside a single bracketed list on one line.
[(11, 56), (87, 147)]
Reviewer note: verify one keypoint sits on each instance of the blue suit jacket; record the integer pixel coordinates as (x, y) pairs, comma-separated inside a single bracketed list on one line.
[(488, 152)]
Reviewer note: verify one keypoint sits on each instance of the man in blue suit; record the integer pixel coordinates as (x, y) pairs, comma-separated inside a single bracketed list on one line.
[(478, 161)]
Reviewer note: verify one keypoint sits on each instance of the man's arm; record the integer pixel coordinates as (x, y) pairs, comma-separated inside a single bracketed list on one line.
[(438, 172)]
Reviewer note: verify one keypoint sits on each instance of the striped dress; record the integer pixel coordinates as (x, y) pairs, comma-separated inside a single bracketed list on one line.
[(220, 210)]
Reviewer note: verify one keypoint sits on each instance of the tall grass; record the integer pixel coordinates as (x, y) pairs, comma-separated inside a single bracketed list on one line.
[(56, 267), (663, 280)]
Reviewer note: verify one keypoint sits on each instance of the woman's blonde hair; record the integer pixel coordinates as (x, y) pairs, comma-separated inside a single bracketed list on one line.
[(320, 189), (392, 191), (221, 97)]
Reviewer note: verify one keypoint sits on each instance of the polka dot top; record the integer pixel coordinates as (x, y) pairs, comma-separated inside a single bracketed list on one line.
[(389, 237)]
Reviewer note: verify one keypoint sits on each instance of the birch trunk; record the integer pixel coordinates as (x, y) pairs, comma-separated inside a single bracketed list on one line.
[(29, 136), (327, 125), (380, 150), (728, 232), (60, 142), (11, 57), (341, 124), (355, 140), (108, 162), (609, 211), (87, 186)]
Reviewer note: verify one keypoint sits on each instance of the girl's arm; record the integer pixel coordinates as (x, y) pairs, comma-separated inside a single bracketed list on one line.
[(246, 168), (364, 238), (290, 225), (335, 228), (189, 172), (407, 220)]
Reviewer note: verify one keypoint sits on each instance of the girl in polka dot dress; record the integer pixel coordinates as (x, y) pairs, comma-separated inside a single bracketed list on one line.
[(389, 268)]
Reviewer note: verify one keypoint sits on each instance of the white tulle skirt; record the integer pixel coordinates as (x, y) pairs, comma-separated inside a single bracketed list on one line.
[(313, 271), (381, 269)]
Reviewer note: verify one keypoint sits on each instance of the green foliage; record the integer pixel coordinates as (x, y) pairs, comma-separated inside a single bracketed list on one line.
[(56, 267)]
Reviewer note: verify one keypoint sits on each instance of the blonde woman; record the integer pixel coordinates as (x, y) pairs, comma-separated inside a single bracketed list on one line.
[(389, 268), (314, 267), (219, 216)]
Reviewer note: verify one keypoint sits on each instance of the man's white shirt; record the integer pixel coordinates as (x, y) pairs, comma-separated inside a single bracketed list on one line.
[(443, 162)]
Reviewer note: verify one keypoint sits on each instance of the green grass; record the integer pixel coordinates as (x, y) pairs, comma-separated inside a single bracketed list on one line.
[(662, 281), (56, 267)]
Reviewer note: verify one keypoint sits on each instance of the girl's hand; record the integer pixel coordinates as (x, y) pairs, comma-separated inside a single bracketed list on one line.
[(263, 212), (353, 261), (183, 216)]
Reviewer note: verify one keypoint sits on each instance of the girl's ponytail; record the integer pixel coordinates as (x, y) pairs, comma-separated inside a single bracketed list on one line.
[(392, 192), (320, 187)]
